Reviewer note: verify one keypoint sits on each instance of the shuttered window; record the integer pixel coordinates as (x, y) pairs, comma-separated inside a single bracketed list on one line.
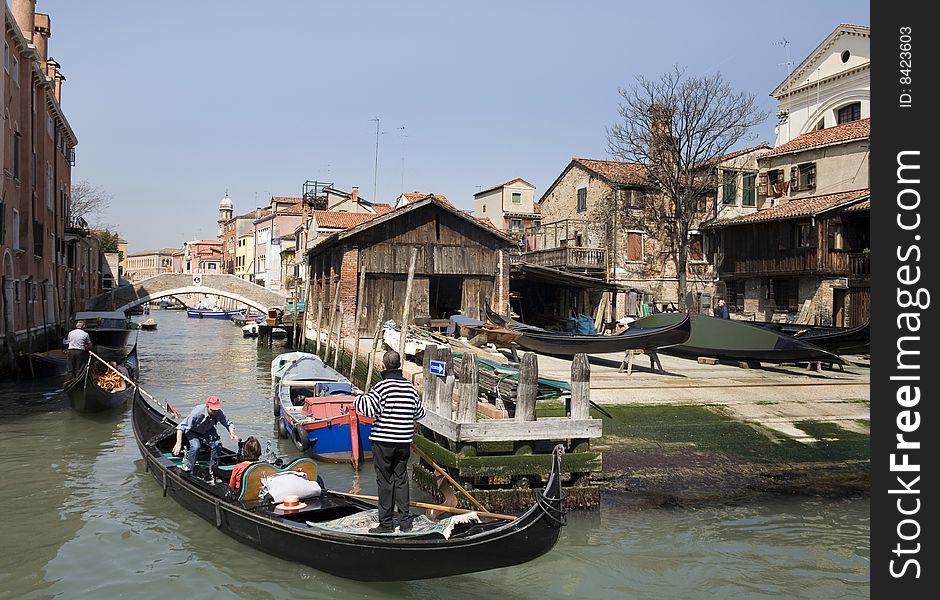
[(582, 199), (749, 196), (634, 246), (729, 191)]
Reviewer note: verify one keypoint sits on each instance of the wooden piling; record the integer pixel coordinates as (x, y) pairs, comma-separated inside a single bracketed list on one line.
[(359, 294), (406, 310), (468, 389), (319, 324), (430, 382), (445, 385), (580, 387), (375, 343), (339, 338), (528, 387), (333, 309)]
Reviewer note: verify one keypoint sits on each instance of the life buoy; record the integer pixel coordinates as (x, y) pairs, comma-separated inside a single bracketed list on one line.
[(277, 408), (301, 438), (282, 428)]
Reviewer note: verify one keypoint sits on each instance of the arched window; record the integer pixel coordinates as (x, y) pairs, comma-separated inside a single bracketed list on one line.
[(850, 112)]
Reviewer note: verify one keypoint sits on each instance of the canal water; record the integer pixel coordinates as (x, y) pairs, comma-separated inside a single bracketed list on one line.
[(81, 518)]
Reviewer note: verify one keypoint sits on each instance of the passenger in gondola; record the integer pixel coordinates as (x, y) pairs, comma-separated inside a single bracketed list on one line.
[(395, 405), (251, 452), (199, 429), (79, 343)]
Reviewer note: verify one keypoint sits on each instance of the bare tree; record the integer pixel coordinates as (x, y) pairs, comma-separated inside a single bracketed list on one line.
[(89, 202), (677, 127)]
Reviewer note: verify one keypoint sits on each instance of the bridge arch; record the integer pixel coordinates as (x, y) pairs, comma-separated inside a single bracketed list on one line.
[(173, 284)]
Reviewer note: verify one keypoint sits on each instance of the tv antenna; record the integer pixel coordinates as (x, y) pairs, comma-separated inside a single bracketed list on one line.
[(375, 173)]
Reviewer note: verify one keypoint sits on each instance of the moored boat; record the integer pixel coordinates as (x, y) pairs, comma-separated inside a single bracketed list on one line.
[(210, 313), (86, 392), (313, 405), (726, 339), (149, 325), (317, 534), (108, 330), (39, 365)]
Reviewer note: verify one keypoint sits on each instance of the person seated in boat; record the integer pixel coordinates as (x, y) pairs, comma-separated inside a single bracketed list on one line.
[(121, 369), (251, 452), (199, 429), (395, 405)]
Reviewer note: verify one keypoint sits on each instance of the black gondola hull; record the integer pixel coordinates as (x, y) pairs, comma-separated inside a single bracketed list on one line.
[(838, 340), (86, 396), (359, 557), (633, 339)]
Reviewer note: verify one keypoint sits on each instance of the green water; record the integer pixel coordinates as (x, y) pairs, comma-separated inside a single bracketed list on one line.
[(83, 520)]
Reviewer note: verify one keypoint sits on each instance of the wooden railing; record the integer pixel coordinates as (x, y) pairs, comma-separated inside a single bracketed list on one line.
[(802, 260), (860, 265), (568, 258)]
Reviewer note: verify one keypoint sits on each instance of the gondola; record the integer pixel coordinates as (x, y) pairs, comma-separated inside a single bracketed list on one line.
[(725, 339), (108, 331), (838, 340), (637, 337), (307, 535), (313, 405), (211, 313), (85, 395), (39, 365)]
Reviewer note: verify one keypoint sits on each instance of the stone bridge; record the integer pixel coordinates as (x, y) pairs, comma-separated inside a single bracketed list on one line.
[(172, 284)]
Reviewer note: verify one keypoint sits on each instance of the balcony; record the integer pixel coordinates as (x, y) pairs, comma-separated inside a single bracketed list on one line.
[(860, 265), (568, 259)]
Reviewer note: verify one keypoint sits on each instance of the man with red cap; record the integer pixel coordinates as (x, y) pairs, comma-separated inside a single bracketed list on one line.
[(199, 428)]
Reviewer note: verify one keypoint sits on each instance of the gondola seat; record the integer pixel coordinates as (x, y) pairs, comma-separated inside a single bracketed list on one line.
[(253, 476)]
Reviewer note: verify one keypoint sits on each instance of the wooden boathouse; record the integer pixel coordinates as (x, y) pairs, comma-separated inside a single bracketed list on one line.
[(458, 260)]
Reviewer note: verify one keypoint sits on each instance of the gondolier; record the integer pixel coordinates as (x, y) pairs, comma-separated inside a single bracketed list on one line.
[(199, 428), (79, 343), (395, 405)]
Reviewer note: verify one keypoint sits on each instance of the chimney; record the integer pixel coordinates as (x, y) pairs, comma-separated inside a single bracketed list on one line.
[(58, 78), (354, 194), (661, 142), (24, 12), (42, 31)]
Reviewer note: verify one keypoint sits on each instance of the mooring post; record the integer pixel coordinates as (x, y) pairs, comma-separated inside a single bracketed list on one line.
[(580, 387), (319, 324), (468, 389), (360, 291), (429, 384), (375, 343), (333, 308), (445, 386), (528, 387), (406, 310), (339, 338)]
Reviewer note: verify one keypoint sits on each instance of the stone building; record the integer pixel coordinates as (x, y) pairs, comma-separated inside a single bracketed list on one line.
[(37, 242), (149, 263)]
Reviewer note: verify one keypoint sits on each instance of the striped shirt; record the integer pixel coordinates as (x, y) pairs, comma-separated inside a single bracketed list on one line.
[(395, 405)]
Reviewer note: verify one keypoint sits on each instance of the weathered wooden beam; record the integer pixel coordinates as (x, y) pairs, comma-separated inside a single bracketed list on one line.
[(360, 291), (333, 308), (339, 338), (528, 387), (511, 464), (375, 343), (509, 430), (428, 381), (406, 309), (468, 389), (580, 387), (444, 389), (319, 324)]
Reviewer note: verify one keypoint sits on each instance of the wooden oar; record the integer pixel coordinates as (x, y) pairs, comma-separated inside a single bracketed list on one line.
[(449, 478), (450, 509), (166, 406)]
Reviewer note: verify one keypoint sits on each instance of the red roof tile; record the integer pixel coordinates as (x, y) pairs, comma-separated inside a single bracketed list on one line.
[(341, 220), (504, 184), (861, 206), (795, 209), (412, 197), (617, 172), (286, 199), (381, 209), (854, 130)]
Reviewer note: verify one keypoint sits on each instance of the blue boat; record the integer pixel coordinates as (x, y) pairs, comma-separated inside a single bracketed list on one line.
[(211, 313), (313, 405)]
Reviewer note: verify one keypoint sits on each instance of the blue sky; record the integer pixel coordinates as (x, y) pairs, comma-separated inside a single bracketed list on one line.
[(175, 102)]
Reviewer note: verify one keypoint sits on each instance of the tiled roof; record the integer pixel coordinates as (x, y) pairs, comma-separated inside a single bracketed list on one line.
[(381, 209), (152, 252), (502, 185), (736, 153), (286, 199), (332, 219), (412, 197), (861, 206), (296, 209), (252, 214), (853, 130), (795, 209), (617, 172)]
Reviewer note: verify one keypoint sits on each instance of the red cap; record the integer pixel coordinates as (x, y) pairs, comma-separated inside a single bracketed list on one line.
[(213, 402)]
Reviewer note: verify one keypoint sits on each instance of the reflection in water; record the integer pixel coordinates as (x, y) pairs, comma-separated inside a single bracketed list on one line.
[(88, 522)]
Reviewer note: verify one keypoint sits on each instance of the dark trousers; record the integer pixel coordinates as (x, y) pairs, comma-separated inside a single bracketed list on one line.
[(76, 360), (391, 474)]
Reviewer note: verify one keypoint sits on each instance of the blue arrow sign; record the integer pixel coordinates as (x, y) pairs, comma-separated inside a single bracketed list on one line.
[(438, 367)]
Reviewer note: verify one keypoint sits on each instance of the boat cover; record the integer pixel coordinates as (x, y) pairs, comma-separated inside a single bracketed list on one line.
[(361, 522)]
